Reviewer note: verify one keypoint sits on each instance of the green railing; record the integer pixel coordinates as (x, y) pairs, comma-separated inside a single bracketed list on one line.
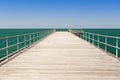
[(110, 44), (10, 45)]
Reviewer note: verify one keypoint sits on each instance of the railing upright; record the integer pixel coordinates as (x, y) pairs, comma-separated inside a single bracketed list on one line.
[(7, 47), (116, 47), (30, 39), (40, 35), (106, 44), (25, 41), (37, 36), (89, 37), (83, 35), (86, 36), (34, 37), (93, 39), (17, 42), (98, 41)]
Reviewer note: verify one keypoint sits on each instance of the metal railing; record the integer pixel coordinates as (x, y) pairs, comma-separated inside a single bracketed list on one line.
[(110, 44), (13, 44)]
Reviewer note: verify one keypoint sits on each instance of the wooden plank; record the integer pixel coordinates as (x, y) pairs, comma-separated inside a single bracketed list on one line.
[(62, 56)]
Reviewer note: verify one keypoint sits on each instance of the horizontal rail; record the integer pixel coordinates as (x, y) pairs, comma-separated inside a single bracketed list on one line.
[(90, 37), (94, 34), (21, 35), (20, 42)]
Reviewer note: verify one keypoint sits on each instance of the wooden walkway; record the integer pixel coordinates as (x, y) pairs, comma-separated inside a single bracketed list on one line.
[(62, 56)]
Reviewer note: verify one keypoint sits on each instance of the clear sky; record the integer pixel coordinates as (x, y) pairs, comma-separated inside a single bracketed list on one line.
[(60, 13)]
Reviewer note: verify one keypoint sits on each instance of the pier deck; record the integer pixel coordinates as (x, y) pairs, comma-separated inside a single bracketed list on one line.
[(62, 56)]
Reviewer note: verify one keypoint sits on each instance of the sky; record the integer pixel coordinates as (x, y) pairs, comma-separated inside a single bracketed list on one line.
[(59, 13)]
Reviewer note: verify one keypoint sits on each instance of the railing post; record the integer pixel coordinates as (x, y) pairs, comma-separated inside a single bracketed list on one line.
[(81, 35), (89, 37), (98, 40), (30, 39), (86, 36), (105, 43), (17, 42), (93, 38), (34, 37), (37, 36), (24, 40), (7, 47), (116, 47)]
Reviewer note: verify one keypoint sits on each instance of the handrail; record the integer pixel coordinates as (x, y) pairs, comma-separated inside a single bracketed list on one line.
[(19, 43), (96, 34), (18, 35), (90, 37)]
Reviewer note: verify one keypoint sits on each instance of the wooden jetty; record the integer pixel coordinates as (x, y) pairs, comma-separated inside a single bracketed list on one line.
[(62, 56)]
